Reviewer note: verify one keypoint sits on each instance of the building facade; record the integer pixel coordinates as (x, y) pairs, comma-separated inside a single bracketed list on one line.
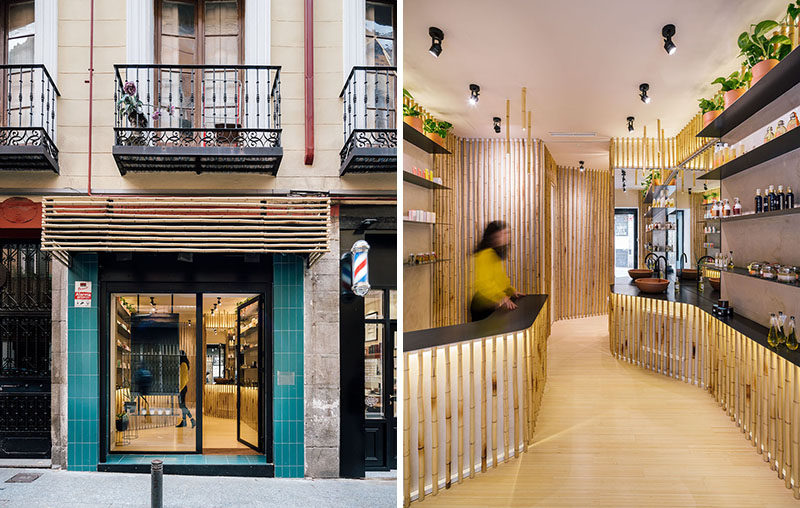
[(179, 180)]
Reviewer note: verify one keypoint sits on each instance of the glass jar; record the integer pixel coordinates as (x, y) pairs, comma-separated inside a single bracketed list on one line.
[(754, 268), (786, 274), (769, 271)]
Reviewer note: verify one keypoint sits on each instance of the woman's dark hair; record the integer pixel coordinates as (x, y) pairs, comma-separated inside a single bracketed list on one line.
[(486, 242)]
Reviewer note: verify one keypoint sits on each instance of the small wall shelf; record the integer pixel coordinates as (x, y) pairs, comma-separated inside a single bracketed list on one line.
[(762, 215), (419, 140), (422, 182), (406, 263), (738, 270), (781, 145), (409, 221)]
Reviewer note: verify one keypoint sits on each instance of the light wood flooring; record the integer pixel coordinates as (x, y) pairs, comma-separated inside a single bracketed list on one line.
[(612, 434)]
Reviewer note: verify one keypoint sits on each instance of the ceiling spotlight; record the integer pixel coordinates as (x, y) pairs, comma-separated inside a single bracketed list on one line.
[(582, 168), (474, 92), (644, 88), (496, 121), (630, 124), (668, 32), (437, 36)]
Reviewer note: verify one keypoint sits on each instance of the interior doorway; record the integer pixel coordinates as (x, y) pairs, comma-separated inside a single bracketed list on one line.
[(232, 342), (626, 240)]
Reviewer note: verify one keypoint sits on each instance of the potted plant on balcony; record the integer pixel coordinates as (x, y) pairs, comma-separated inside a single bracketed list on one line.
[(436, 131), (711, 108), (130, 107), (121, 424), (733, 87), (763, 53), (411, 113)]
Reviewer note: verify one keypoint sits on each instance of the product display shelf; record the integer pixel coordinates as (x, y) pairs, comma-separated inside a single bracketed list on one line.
[(782, 145), (410, 221), (422, 142), (739, 270), (410, 177), (406, 263), (775, 94), (762, 215), (649, 213)]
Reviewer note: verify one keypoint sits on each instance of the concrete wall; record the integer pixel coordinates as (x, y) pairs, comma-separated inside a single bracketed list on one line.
[(417, 238), (287, 44)]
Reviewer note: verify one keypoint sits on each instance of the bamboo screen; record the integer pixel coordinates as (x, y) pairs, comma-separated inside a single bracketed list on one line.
[(486, 185), (584, 262)]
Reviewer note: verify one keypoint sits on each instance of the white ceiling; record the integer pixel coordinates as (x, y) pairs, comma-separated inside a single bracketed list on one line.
[(582, 63)]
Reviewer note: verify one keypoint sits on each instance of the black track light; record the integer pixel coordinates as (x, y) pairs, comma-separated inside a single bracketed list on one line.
[(437, 36), (582, 168), (630, 124), (496, 121), (474, 92), (668, 32), (643, 89)]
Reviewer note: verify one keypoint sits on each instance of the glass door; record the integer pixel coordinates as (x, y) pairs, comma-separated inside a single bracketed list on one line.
[(249, 335), (626, 241)]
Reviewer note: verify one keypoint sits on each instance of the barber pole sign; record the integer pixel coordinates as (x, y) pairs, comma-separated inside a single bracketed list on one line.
[(359, 250), (347, 272)]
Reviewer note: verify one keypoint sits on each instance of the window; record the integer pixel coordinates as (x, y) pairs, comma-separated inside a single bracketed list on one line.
[(380, 23), (18, 36)]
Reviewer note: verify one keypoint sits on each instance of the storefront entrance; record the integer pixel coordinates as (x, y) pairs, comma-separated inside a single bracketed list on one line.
[(185, 365)]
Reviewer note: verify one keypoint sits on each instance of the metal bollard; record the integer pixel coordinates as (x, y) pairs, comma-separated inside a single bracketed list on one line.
[(156, 484)]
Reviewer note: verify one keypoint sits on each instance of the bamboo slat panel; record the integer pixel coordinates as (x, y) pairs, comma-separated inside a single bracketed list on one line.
[(496, 425), (489, 180), (758, 389), (288, 224), (219, 400), (697, 213), (583, 236)]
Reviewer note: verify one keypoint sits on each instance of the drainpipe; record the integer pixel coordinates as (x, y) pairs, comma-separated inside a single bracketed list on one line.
[(91, 91), (308, 26)]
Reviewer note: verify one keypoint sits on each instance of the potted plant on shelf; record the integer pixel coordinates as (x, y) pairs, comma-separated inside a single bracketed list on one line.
[(411, 114), (121, 423), (763, 53), (793, 21), (733, 87), (436, 130), (711, 108)]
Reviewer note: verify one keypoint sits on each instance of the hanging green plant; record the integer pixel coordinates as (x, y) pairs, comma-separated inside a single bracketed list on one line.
[(411, 111), (755, 46), (713, 104), (431, 126), (734, 81), (647, 180)]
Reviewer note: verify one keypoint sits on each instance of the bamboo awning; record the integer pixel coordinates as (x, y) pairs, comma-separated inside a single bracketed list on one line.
[(268, 224)]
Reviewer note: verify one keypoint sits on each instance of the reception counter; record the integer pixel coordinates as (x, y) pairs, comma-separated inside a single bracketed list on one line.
[(675, 334), (472, 394)]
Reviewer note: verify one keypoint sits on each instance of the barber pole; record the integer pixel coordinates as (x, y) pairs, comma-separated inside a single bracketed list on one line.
[(347, 272), (359, 250)]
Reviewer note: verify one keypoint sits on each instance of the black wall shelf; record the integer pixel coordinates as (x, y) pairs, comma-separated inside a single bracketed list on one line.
[(781, 79), (419, 140), (422, 182), (762, 215), (744, 272), (781, 145)]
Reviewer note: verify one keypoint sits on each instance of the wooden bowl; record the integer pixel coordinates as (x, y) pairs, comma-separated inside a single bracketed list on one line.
[(652, 285), (638, 273), (714, 281), (689, 274)]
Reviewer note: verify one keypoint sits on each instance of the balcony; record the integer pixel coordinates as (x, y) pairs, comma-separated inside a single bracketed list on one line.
[(200, 118), (28, 119), (370, 128)]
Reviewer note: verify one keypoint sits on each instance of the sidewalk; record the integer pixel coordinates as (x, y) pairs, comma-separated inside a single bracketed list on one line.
[(93, 489)]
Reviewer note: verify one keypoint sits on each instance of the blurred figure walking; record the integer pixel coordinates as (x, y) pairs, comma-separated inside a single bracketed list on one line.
[(493, 289)]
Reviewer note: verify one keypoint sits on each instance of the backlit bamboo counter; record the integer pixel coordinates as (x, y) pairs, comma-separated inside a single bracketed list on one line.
[(472, 393), (676, 334)]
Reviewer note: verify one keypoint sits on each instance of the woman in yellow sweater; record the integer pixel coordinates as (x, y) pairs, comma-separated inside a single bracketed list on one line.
[(493, 289)]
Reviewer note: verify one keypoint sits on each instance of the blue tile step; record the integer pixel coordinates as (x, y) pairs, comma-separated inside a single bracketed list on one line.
[(191, 464)]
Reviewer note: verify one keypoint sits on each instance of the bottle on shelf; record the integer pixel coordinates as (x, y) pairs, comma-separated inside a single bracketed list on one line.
[(772, 334), (780, 129), (791, 333), (737, 207), (758, 201), (781, 334), (765, 204), (726, 209), (793, 122), (770, 135), (789, 198), (730, 261), (780, 199)]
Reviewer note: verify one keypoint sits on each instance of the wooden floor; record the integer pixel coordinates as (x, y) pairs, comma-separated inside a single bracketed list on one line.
[(612, 434)]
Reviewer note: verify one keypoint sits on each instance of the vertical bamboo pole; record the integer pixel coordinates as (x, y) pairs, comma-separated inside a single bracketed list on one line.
[(484, 450), (420, 428), (448, 429), (406, 432), (508, 127), (472, 430), (434, 423), (460, 411)]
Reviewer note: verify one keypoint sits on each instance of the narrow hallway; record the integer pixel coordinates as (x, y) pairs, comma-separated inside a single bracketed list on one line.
[(612, 434)]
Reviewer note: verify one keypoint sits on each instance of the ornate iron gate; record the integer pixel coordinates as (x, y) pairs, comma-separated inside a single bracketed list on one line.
[(25, 340)]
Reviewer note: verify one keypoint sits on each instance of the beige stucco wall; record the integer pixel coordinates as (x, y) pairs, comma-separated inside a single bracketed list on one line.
[(286, 51)]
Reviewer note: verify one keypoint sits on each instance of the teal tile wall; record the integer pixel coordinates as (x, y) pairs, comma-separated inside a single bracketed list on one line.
[(83, 382), (287, 325)]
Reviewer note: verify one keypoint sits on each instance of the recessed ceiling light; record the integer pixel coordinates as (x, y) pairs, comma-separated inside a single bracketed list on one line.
[(437, 36), (668, 32)]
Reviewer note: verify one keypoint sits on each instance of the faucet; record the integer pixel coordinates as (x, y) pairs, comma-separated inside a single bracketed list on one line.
[(683, 258), (701, 260), (647, 258)]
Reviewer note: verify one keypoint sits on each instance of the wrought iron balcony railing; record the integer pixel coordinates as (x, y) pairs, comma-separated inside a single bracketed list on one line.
[(28, 118), (370, 128), (202, 118)]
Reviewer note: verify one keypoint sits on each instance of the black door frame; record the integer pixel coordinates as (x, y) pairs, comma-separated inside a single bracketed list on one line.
[(635, 213), (199, 288), (259, 300)]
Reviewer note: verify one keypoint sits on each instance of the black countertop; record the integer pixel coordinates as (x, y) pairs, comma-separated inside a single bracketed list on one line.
[(498, 323), (689, 293)]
